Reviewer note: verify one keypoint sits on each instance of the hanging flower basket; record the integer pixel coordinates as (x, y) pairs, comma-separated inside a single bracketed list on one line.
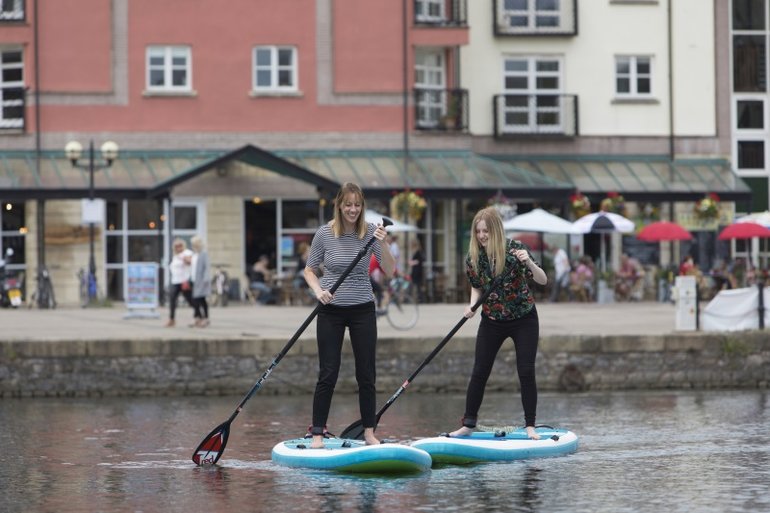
[(614, 202), (503, 205), (408, 205), (707, 209), (579, 205)]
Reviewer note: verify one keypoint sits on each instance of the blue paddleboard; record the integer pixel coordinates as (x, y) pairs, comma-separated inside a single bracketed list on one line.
[(344, 455), (484, 446)]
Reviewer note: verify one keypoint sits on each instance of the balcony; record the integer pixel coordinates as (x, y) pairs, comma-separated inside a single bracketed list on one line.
[(441, 109), (535, 114), (12, 108), (441, 13), (541, 18)]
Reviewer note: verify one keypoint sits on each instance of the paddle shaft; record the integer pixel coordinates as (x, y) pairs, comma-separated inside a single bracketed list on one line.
[(362, 252)]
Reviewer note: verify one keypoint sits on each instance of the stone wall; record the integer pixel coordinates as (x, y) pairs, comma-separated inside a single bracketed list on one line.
[(156, 367)]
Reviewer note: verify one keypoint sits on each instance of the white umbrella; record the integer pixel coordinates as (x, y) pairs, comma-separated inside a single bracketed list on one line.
[(762, 218), (539, 220), (603, 222), (371, 216)]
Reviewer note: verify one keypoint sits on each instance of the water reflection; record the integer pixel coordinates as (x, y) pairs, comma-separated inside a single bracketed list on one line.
[(702, 451)]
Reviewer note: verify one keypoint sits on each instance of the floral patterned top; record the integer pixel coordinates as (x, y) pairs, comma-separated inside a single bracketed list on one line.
[(511, 299)]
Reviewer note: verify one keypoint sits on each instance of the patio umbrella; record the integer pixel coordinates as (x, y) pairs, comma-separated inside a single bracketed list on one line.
[(663, 230), (371, 216), (744, 230), (602, 223), (762, 218), (538, 221)]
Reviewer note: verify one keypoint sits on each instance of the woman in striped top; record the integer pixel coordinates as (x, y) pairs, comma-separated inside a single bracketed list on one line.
[(335, 245)]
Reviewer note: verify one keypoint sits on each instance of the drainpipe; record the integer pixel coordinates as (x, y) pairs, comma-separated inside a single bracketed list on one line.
[(38, 146), (671, 151)]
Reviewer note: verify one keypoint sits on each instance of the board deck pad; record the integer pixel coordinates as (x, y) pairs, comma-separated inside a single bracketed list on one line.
[(483, 446)]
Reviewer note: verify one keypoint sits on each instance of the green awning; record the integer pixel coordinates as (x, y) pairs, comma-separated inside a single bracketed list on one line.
[(446, 174), (639, 178), (152, 174)]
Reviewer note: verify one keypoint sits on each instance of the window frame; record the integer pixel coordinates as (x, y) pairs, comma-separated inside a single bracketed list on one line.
[(531, 13), (17, 13), (275, 68), (168, 67), (11, 122), (633, 77), (534, 94)]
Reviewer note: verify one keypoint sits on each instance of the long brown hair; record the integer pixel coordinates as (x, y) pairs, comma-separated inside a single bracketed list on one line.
[(496, 244), (337, 225)]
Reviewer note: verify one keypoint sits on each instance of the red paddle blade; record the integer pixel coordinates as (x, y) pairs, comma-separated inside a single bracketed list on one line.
[(212, 447)]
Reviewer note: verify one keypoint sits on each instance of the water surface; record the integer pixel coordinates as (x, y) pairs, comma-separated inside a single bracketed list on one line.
[(703, 451)]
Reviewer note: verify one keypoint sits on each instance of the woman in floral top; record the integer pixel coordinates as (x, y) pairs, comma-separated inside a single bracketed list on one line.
[(509, 311)]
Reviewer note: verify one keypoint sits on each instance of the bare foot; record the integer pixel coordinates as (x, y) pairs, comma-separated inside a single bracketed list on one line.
[(532, 434), (369, 437), (463, 431), (318, 442)]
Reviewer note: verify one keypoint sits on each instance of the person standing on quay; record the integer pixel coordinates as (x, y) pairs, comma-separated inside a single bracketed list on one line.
[(509, 311), (180, 274), (201, 279), (335, 245)]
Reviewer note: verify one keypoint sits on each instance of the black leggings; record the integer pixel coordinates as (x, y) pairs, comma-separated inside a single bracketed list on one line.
[(176, 289), (491, 335), (361, 321), (201, 307)]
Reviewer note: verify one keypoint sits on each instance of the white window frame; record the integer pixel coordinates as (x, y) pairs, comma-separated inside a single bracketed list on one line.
[(274, 68), (5, 103), (430, 11), (168, 67), (15, 13), (633, 76), (532, 109), (531, 13), (430, 77)]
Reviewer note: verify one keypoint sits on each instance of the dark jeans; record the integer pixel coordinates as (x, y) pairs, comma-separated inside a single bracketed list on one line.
[(201, 307), (176, 289), (491, 335), (361, 321)]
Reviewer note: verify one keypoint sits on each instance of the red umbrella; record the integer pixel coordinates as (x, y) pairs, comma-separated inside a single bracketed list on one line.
[(747, 230), (663, 230)]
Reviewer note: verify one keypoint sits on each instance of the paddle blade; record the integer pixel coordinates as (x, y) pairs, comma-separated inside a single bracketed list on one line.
[(212, 447), (355, 431)]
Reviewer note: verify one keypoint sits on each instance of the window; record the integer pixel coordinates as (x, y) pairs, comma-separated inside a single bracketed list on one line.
[(633, 76), (748, 14), (11, 89), (275, 68), (428, 11), (749, 63), (531, 14), (11, 10), (533, 97), (430, 77), (751, 154), (169, 68), (750, 114)]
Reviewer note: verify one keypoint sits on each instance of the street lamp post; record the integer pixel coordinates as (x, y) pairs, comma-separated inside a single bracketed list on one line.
[(74, 150)]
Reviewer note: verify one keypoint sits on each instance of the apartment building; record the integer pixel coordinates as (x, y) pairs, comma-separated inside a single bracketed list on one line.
[(240, 124)]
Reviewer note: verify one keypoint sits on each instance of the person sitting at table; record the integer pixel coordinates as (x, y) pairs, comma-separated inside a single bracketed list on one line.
[(628, 280), (260, 278)]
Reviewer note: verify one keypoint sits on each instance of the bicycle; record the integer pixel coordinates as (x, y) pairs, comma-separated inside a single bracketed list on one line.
[(43, 294), (87, 289), (220, 287), (400, 304)]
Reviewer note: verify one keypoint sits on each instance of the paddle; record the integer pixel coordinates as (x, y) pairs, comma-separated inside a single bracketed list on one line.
[(211, 448), (356, 429)]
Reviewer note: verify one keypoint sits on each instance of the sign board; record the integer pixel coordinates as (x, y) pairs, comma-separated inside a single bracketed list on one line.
[(92, 211), (141, 286)]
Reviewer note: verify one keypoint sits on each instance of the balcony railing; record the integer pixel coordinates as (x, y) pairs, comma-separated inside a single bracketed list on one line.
[(441, 13), (557, 18), (12, 108), (536, 114), (441, 109)]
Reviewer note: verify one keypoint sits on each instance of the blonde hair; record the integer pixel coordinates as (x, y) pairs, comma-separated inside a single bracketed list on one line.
[(496, 244), (338, 228), (196, 241)]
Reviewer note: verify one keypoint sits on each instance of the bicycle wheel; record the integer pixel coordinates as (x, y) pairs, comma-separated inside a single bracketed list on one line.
[(402, 308)]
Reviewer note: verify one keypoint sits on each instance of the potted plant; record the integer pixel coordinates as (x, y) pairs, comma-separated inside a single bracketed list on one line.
[(451, 119)]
